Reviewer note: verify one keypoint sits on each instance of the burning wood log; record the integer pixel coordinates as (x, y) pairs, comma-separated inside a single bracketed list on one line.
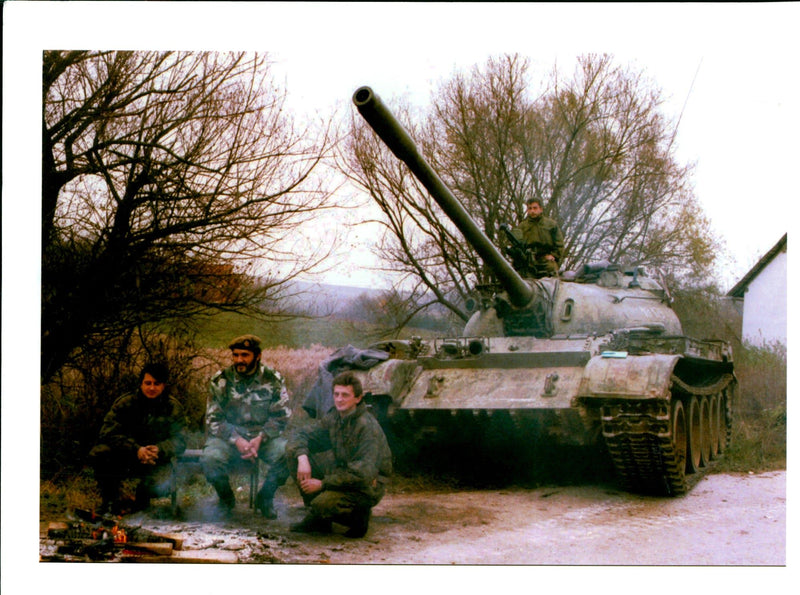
[(91, 537)]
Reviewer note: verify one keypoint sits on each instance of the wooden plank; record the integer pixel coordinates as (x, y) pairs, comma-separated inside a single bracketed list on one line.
[(188, 557), (174, 538), (57, 529), (162, 549), (208, 556), (141, 535)]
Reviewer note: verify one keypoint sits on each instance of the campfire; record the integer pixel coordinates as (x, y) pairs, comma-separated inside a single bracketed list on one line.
[(89, 537)]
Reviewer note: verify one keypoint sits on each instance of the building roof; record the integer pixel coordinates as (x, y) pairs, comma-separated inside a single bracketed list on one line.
[(740, 288)]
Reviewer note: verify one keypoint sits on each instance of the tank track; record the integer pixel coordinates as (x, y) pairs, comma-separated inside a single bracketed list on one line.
[(639, 436)]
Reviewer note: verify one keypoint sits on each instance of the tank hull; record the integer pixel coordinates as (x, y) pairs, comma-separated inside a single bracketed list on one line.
[(659, 409)]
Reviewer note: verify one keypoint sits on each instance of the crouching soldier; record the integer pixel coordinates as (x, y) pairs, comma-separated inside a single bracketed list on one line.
[(343, 487), (247, 413), (141, 434)]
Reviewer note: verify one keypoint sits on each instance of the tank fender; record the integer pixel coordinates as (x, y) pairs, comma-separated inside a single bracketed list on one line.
[(391, 378), (621, 376)]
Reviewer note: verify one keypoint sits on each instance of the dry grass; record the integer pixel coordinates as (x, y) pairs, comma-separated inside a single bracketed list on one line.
[(759, 426), (59, 495), (758, 444), (298, 366)]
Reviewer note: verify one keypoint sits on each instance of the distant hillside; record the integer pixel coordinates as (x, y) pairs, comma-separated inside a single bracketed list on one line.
[(319, 299), (331, 315)]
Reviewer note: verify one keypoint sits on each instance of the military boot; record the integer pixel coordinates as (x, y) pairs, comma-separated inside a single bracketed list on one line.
[(264, 501), (144, 492), (312, 524), (109, 494), (358, 522), (227, 501)]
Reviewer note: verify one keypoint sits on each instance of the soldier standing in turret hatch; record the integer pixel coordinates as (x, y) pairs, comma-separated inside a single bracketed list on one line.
[(542, 239)]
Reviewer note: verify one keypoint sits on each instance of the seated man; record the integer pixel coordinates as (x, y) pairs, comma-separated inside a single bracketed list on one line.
[(246, 415), (140, 435), (542, 239), (343, 488)]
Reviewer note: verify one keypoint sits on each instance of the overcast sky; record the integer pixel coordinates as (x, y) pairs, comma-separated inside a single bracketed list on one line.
[(729, 71), (740, 123)]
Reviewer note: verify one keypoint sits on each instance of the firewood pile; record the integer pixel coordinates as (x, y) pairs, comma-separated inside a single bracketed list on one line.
[(89, 537)]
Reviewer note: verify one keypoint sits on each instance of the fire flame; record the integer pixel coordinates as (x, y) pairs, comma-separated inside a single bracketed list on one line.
[(116, 532)]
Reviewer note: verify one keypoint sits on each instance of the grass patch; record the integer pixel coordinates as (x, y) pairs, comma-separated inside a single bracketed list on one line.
[(758, 440), (299, 333), (758, 443), (59, 495)]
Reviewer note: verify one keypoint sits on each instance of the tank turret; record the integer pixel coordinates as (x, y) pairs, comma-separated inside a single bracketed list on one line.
[(596, 355)]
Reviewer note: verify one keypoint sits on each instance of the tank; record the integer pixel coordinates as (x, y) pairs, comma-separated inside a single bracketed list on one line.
[(595, 358)]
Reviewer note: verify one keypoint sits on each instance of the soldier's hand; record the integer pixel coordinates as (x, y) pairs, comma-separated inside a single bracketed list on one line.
[(243, 446), (303, 468), (252, 448), (311, 485), (146, 455)]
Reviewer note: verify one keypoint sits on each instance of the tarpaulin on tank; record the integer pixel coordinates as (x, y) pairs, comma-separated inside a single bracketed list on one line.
[(320, 398)]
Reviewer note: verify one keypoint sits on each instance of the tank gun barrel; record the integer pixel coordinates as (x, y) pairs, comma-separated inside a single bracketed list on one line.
[(392, 133)]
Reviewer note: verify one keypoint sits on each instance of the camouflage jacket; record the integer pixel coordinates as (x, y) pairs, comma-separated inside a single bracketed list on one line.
[(542, 236), (135, 421), (247, 406), (363, 460)]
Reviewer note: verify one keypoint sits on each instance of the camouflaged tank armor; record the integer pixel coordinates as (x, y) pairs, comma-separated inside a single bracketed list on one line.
[(246, 406)]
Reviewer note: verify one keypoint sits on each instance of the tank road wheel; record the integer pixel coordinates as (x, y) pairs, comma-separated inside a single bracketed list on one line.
[(705, 438), (676, 468), (694, 435), (713, 409)]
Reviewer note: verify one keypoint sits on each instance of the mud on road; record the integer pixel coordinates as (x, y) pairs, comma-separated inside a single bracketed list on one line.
[(724, 520)]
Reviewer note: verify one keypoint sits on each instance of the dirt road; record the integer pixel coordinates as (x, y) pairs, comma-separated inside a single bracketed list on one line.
[(724, 520)]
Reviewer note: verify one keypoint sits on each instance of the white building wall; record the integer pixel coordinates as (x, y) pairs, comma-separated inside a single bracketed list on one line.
[(764, 318)]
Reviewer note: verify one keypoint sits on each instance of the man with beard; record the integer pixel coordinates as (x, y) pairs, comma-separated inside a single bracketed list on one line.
[(542, 239), (141, 434), (246, 415), (343, 486)]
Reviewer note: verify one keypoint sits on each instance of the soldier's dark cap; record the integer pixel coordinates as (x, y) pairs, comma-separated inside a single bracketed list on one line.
[(248, 342), (533, 199)]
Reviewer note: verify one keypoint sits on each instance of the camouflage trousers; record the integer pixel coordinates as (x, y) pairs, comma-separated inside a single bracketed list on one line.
[(221, 457), (335, 505)]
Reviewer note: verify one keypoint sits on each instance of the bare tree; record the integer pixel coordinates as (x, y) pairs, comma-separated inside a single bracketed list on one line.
[(601, 157), (165, 178), (595, 149)]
